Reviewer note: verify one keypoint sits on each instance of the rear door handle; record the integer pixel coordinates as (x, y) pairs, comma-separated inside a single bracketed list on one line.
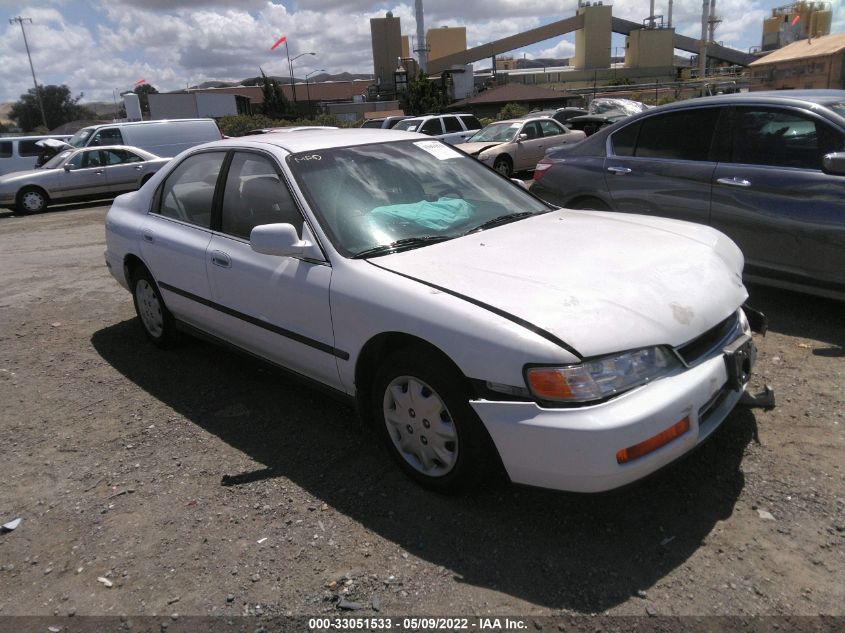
[(219, 258), (139, 167), (99, 172), (734, 182), (619, 171), (149, 237)]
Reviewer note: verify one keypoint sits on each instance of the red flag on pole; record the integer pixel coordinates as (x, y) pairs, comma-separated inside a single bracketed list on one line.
[(140, 81), (795, 20), (278, 41)]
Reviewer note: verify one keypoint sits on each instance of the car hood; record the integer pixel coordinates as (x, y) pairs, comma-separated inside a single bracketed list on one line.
[(601, 282), (473, 149)]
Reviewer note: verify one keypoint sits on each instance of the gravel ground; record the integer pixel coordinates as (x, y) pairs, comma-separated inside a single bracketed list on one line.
[(114, 451)]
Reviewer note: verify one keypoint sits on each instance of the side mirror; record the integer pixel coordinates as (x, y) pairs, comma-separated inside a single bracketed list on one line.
[(522, 137), (279, 239), (834, 164), (67, 167)]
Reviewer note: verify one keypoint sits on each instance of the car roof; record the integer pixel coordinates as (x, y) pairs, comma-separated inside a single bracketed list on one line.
[(304, 141), (781, 97)]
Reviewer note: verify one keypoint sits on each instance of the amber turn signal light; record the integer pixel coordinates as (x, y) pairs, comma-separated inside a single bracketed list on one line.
[(653, 443)]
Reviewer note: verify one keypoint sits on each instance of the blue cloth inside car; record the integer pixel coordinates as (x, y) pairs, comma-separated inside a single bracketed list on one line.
[(438, 215)]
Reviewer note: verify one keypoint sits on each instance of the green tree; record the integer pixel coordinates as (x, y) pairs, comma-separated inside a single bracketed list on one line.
[(424, 96), (144, 91), (511, 111), (59, 108), (276, 105)]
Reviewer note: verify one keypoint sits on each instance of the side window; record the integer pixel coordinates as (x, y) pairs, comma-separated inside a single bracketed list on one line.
[(452, 124), (256, 195), (92, 158), (188, 192), (76, 161), (684, 135), (5, 149), (28, 148), (471, 122), (551, 128), (107, 136), (119, 157), (431, 127), (625, 140), (532, 130), (781, 138)]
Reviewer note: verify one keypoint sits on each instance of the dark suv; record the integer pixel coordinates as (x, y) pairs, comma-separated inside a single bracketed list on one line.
[(765, 168)]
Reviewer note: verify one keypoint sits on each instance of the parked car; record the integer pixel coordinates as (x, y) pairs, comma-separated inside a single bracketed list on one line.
[(163, 138), (472, 323), (79, 174), (517, 144), (19, 153), (561, 115), (385, 123), (603, 112), (764, 167), (449, 128)]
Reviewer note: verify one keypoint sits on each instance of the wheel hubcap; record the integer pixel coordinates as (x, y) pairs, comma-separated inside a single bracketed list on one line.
[(504, 169), (32, 201), (149, 308), (420, 426)]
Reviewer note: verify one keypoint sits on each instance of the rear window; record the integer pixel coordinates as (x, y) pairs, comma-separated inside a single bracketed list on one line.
[(28, 148), (470, 121), (5, 149), (682, 135), (373, 123)]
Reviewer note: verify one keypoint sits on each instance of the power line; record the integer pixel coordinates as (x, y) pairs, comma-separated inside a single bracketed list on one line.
[(20, 21)]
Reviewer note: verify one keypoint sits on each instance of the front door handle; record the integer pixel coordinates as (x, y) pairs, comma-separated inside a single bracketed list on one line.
[(734, 182), (219, 258), (139, 167), (99, 172), (619, 171), (149, 237)]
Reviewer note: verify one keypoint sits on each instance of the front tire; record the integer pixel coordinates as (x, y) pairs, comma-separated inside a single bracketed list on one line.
[(504, 166), (31, 200), (157, 321), (421, 408)]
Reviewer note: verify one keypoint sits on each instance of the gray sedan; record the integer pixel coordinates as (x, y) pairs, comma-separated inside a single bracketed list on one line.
[(79, 174), (766, 168)]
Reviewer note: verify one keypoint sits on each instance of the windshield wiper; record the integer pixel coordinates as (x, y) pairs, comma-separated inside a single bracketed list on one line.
[(498, 221), (404, 243)]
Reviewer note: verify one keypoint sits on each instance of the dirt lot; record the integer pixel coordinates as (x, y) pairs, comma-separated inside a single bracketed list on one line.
[(113, 453)]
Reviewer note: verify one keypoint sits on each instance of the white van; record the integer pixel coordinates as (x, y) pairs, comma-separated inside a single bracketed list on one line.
[(165, 138), (20, 153)]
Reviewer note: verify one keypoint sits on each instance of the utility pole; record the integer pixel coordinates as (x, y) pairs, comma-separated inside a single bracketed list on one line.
[(20, 21)]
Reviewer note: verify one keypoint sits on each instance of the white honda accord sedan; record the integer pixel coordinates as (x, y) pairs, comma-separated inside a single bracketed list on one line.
[(473, 324)]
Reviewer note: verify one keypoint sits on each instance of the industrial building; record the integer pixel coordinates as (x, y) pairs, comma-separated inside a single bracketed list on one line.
[(794, 22), (386, 37), (810, 63)]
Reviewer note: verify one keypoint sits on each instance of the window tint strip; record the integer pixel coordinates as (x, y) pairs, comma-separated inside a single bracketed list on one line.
[(299, 338)]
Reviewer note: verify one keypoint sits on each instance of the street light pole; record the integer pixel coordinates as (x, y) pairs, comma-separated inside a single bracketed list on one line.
[(291, 60), (20, 21), (308, 91)]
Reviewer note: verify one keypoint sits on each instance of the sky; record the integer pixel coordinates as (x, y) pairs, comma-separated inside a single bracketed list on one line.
[(98, 47)]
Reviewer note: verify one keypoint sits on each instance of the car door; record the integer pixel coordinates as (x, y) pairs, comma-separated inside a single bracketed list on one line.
[(454, 131), (123, 169), (528, 146), (663, 164), (772, 198), (274, 306), (83, 175), (176, 233)]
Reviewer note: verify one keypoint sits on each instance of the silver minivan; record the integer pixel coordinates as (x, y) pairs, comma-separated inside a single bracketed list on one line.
[(163, 138), (19, 153)]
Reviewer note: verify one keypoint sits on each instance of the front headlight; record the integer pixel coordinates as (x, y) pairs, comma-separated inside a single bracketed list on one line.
[(600, 378)]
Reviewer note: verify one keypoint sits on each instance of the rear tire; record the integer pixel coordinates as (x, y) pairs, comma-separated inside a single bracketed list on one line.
[(31, 200), (421, 409), (157, 321)]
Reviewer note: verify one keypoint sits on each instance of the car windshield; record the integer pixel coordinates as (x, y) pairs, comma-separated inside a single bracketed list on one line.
[(379, 198), (408, 124), (78, 139), (57, 160), (839, 108), (495, 133)]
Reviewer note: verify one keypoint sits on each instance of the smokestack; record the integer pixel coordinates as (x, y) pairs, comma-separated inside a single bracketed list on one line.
[(670, 14), (712, 21), (422, 51), (651, 14)]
